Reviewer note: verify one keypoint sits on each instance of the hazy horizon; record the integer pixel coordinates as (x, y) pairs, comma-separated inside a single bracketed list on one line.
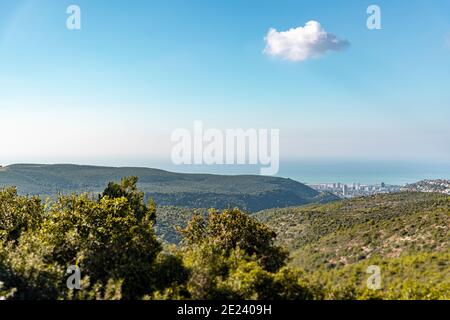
[(119, 86), (305, 171)]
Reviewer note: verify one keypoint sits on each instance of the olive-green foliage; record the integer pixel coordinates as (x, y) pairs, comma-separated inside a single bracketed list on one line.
[(420, 276), (231, 256), (405, 234), (111, 239), (342, 233), (170, 218), (170, 270), (5, 293), (21, 256), (18, 214), (216, 275), (232, 229), (223, 255), (24, 267)]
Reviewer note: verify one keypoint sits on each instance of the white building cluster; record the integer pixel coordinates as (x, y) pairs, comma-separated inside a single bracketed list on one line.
[(430, 186), (355, 189)]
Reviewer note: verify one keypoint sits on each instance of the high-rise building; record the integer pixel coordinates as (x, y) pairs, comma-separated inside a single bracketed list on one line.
[(344, 190)]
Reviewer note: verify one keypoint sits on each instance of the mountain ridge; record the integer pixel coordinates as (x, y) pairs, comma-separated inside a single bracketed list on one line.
[(248, 192)]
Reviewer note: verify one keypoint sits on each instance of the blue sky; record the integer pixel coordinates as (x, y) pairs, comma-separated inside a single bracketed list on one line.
[(113, 91)]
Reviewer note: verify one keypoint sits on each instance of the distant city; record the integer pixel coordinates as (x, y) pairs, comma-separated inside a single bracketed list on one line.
[(358, 190), (355, 189)]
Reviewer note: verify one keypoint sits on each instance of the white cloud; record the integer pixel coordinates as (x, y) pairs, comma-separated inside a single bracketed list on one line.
[(302, 43)]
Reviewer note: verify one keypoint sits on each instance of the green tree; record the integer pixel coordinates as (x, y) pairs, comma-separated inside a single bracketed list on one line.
[(111, 238), (232, 256), (18, 214), (233, 229)]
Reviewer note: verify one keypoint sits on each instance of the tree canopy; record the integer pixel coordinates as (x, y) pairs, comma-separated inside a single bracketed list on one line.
[(225, 254)]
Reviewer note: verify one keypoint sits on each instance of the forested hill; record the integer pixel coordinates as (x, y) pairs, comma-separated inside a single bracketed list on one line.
[(405, 235), (345, 232), (251, 193)]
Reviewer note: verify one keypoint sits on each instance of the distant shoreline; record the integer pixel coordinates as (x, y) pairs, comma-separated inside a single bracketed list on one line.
[(309, 172)]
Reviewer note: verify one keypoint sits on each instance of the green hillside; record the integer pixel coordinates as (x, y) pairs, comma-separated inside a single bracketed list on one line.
[(416, 276), (250, 193), (406, 235), (345, 232), (307, 252)]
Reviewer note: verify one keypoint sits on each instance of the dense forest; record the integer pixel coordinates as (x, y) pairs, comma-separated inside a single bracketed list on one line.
[(321, 252)]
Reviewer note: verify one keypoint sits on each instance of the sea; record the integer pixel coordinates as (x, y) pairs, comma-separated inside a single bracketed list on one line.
[(316, 171), (348, 172)]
